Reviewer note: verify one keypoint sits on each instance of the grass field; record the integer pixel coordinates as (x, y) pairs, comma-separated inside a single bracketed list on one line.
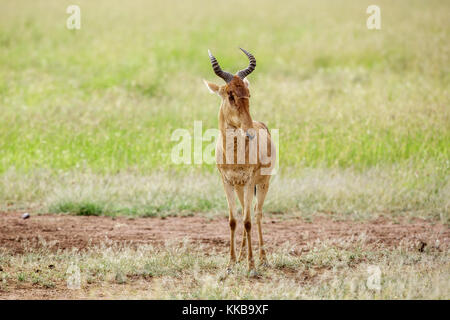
[(359, 107), (187, 273), (363, 115), (185, 257)]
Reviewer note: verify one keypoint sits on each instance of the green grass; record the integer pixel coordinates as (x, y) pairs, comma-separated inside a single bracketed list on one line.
[(347, 101), (78, 208), (363, 118), (183, 271), (347, 193)]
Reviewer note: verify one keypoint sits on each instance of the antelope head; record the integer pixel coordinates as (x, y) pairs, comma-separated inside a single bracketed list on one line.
[(235, 95)]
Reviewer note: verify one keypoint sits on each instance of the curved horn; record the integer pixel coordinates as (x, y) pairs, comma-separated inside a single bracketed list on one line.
[(218, 71), (243, 73)]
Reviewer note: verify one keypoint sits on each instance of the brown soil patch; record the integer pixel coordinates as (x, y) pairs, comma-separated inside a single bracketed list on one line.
[(65, 231)]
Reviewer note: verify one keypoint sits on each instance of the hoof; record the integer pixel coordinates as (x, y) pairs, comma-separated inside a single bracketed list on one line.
[(264, 264), (253, 274), (231, 264), (225, 274)]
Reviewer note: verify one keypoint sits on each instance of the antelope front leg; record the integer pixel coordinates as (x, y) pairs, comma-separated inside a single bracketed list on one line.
[(248, 198), (240, 193), (261, 193), (229, 191)]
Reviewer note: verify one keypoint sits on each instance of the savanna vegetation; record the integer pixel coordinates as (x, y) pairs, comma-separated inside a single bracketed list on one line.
[(185, 272), (86, 118), (363, 115)]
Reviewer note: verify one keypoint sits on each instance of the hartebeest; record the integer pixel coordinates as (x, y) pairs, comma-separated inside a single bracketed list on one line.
[(245, 156)]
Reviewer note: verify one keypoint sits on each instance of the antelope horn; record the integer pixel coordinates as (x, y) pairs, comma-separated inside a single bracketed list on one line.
[(252, 65), (218, 71)]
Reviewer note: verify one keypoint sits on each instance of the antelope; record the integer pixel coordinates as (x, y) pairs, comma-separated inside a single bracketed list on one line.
[(245, 178)]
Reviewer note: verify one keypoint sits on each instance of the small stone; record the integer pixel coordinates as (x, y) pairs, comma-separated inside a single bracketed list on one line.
[(25, 215), (437, 243)]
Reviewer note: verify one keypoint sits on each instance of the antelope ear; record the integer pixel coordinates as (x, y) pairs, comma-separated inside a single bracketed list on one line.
[(212, 87), (247, 83)]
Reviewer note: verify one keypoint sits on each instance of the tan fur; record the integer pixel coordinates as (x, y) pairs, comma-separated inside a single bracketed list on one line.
[(234, 115)]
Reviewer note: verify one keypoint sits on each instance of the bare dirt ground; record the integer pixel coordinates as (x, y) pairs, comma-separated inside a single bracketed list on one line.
[(82, 232), (65, 231)]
